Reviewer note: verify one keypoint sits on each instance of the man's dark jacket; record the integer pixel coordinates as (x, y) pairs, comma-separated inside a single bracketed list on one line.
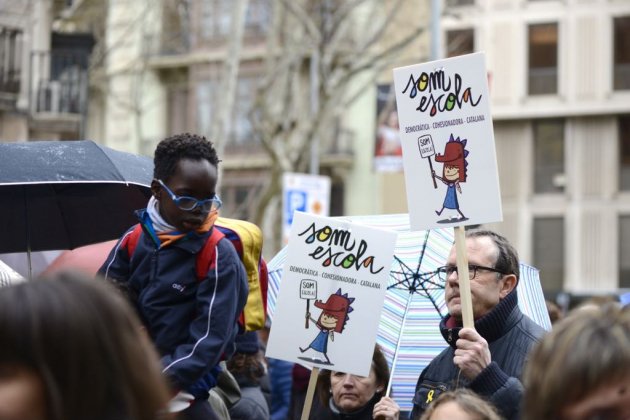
[(510, 335)]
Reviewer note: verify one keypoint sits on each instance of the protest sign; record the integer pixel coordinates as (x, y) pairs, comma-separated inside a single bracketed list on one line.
[(448, 143), (341, 270)]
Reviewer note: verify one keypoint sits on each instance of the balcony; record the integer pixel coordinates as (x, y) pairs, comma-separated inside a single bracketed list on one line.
[(58, 90), (10, 66)]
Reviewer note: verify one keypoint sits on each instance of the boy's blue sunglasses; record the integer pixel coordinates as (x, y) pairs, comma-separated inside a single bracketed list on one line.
[(190, 203)]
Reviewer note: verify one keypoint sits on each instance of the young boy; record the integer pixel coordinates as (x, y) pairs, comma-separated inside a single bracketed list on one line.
[(192, 323)]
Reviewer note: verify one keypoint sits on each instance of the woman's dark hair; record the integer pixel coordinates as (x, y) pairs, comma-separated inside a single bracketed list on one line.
[(181, 146), (381, 371), (85, 342), (247, 365)]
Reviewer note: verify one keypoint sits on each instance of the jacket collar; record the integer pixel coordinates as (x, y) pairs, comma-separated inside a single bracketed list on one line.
[(491, 326), (192, 241)]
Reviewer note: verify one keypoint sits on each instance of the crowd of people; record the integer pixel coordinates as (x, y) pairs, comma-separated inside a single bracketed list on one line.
[(147, 340)]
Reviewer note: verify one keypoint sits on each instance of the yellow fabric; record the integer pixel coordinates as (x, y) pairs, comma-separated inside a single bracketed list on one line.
[(251, 239)]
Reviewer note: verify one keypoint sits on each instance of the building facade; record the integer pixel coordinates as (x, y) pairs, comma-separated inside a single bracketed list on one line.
[(127, 73), (43, 73), (559, 75)]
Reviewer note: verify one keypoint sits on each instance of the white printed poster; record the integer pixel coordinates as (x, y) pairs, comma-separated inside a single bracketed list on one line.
[(331, 294), (447, 138)]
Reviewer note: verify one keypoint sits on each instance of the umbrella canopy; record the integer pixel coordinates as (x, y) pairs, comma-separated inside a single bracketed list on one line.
[(9, 276), (66, 194), (414, 302)]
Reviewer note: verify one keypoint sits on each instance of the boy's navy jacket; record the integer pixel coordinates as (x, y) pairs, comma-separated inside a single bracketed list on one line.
[(192, 323)]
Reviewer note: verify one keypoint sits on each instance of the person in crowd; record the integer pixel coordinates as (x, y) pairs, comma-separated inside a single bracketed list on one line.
[(276, 385), (581, 369), (280, 383), (248, 368), (460, 404), (299, 386), (351, 397), (72, 348), (554, 311), (596, 301), (192, 323), (225, 393), (388, 136), (488, 358)]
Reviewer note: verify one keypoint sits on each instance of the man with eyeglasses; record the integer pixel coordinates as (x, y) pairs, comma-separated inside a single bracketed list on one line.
[(488, 359), (192, 321)]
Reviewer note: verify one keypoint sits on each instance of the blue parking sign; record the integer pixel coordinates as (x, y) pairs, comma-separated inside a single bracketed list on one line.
[(295, 200)]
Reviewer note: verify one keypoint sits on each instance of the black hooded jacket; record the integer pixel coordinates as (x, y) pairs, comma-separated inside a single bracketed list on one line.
[(510, 335)]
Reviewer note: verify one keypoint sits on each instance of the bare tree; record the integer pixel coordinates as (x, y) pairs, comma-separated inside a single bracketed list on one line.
[(346, 40)]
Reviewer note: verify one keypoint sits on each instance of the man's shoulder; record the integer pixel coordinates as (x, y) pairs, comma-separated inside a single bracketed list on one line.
[(520, 338), (530, 329)]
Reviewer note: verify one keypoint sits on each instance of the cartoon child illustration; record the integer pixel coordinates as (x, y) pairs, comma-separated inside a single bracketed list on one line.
[(332, 319), (454, 173)]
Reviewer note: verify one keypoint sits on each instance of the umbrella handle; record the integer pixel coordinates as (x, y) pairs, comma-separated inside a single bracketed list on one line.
[(400, 335)]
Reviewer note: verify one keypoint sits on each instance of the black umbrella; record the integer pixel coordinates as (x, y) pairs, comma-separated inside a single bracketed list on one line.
[(66, 194)]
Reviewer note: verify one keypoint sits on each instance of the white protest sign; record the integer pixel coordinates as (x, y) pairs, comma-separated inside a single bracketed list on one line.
[(448, 143), (341, 269)]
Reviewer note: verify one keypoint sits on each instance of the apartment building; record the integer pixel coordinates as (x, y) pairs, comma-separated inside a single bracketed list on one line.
[(559, 75), (43, 73), (161, 73)]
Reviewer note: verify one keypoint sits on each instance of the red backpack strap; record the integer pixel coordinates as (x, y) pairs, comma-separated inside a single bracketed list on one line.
[(205, 257), (263, 278), (131, 240)]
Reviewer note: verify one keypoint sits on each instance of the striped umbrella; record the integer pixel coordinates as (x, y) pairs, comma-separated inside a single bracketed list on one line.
[(414, 302), (9, 276)]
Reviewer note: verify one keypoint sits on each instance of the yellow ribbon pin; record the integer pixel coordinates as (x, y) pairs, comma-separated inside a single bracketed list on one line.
[(429, 397)]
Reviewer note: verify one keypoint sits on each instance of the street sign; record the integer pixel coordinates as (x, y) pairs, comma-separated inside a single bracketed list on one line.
[(304, 193)]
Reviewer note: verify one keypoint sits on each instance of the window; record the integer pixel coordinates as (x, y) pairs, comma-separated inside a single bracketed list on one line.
[(205, 92), (624, 251), (240, 198), (216, 17), (177, 119), (549, 252), (10, 59), (455, 3), (258, 17), (543, 59), (623, 129), (460, 42), (242, 132), (549, 156), (621, 67)]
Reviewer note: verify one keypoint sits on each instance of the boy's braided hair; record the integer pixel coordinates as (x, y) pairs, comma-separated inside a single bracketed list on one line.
[(181, 146)]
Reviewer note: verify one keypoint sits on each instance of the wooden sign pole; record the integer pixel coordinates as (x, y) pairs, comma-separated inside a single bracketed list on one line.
[(308, 401), (462, 276)]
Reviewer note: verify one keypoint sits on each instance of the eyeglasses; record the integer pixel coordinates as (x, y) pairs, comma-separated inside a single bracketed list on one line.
[(190, 203), (447, 270)]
